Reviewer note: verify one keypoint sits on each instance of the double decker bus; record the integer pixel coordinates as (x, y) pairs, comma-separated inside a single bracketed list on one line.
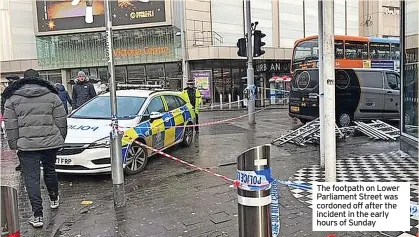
[(350, 52)]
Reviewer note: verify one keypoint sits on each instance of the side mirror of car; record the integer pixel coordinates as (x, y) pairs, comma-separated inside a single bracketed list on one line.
[(155, 115)]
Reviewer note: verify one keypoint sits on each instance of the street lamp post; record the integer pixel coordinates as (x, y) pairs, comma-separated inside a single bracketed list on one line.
[(116, 147), (115, 137), (250, 72), (185, 66)]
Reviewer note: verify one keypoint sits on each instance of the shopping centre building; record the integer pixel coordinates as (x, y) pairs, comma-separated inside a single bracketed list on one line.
[(53, 37)]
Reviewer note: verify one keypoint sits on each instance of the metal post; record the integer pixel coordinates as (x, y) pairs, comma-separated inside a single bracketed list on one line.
[(238, 101), (229, 101), (253, 206), (116, 149), (221, 101), (329, 91), (185, 66), (250, 72), (9, 212), (321, 82)]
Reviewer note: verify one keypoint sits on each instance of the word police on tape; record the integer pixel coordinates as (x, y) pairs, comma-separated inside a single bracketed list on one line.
[(252, 181)]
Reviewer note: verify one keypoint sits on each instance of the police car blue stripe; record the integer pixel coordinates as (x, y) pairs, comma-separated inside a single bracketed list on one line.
[(186, 113), (171, 120), (143, 129)]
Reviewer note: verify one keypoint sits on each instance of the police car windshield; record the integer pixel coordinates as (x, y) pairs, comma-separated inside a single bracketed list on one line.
[(99, 108)]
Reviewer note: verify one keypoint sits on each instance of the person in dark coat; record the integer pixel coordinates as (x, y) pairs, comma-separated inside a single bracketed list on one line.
[(11, 79), (83, 90), (64, 96), (36, 126)]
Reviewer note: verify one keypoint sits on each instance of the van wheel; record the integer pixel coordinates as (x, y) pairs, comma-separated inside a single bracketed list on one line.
[(136, 159), (304, 121), (344, 119)]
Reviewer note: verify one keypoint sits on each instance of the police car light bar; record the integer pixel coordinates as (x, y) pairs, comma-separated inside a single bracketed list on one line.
[(139, 86)]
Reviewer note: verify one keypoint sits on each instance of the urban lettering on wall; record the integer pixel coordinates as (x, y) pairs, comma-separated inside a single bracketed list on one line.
[(274, 66), (144, 51)]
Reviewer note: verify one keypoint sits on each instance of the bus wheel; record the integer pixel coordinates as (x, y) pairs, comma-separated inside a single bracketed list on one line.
[(344, 119)]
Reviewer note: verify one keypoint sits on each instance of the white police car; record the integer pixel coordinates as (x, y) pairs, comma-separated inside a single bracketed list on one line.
[(155, 118)]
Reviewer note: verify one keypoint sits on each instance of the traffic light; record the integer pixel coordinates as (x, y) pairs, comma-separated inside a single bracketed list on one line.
[(257, 43), (241, 44)]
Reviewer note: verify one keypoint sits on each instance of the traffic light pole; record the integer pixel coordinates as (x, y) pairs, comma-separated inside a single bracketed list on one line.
[(250, 72), (115, 138)]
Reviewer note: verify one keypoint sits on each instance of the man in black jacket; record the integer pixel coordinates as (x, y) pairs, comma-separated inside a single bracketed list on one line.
[(36, 126), (83, 90)]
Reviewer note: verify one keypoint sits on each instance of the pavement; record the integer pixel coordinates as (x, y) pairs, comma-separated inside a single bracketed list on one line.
[(169, 199)]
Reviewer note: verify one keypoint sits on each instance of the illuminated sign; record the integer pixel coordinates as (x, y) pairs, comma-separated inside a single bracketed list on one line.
[(144, 51), (59, 15)]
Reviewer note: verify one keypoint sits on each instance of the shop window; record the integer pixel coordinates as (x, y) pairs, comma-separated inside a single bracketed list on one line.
[(410, 68), (121, 74), (356, 50), (173, 70), (155, 71), (136, 74), (103, 74)]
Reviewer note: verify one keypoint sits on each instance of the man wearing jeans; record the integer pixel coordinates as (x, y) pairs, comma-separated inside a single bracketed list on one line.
[(36, 126)]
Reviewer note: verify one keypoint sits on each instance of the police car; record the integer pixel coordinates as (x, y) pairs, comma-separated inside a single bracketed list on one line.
[(154, 117)]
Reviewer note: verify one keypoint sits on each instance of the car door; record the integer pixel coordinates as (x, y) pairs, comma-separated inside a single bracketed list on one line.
[(392, 96), (156, 133), (172, 119)]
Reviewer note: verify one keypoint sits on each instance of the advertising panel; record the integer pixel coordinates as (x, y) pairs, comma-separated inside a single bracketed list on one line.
[(127, 12), (56, 16), (60, 15), (203, 80)]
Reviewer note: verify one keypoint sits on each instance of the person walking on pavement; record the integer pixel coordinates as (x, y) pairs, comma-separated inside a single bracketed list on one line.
[(194, 98), (64, 97), (36, 126), (83, 90), (11, 79)]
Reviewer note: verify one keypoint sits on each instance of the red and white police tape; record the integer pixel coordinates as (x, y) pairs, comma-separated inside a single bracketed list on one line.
[(207, 123)]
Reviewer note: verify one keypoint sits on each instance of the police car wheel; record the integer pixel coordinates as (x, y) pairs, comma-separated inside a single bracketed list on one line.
[(136, 160), (187, 137)]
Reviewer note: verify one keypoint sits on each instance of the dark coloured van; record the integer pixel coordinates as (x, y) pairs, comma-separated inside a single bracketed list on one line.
[(361, 94)]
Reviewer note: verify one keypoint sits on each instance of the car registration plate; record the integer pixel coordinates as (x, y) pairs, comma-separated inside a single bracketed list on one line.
[(295, 108), (64, 161)]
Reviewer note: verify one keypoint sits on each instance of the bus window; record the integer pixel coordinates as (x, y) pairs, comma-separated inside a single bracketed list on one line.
[(339, 49), (356, 50), (379, 50), (304, 50), (395, 52)]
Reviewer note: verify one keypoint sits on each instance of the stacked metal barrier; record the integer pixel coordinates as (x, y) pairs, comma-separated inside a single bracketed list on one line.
[(378, 130), (310, 132)]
